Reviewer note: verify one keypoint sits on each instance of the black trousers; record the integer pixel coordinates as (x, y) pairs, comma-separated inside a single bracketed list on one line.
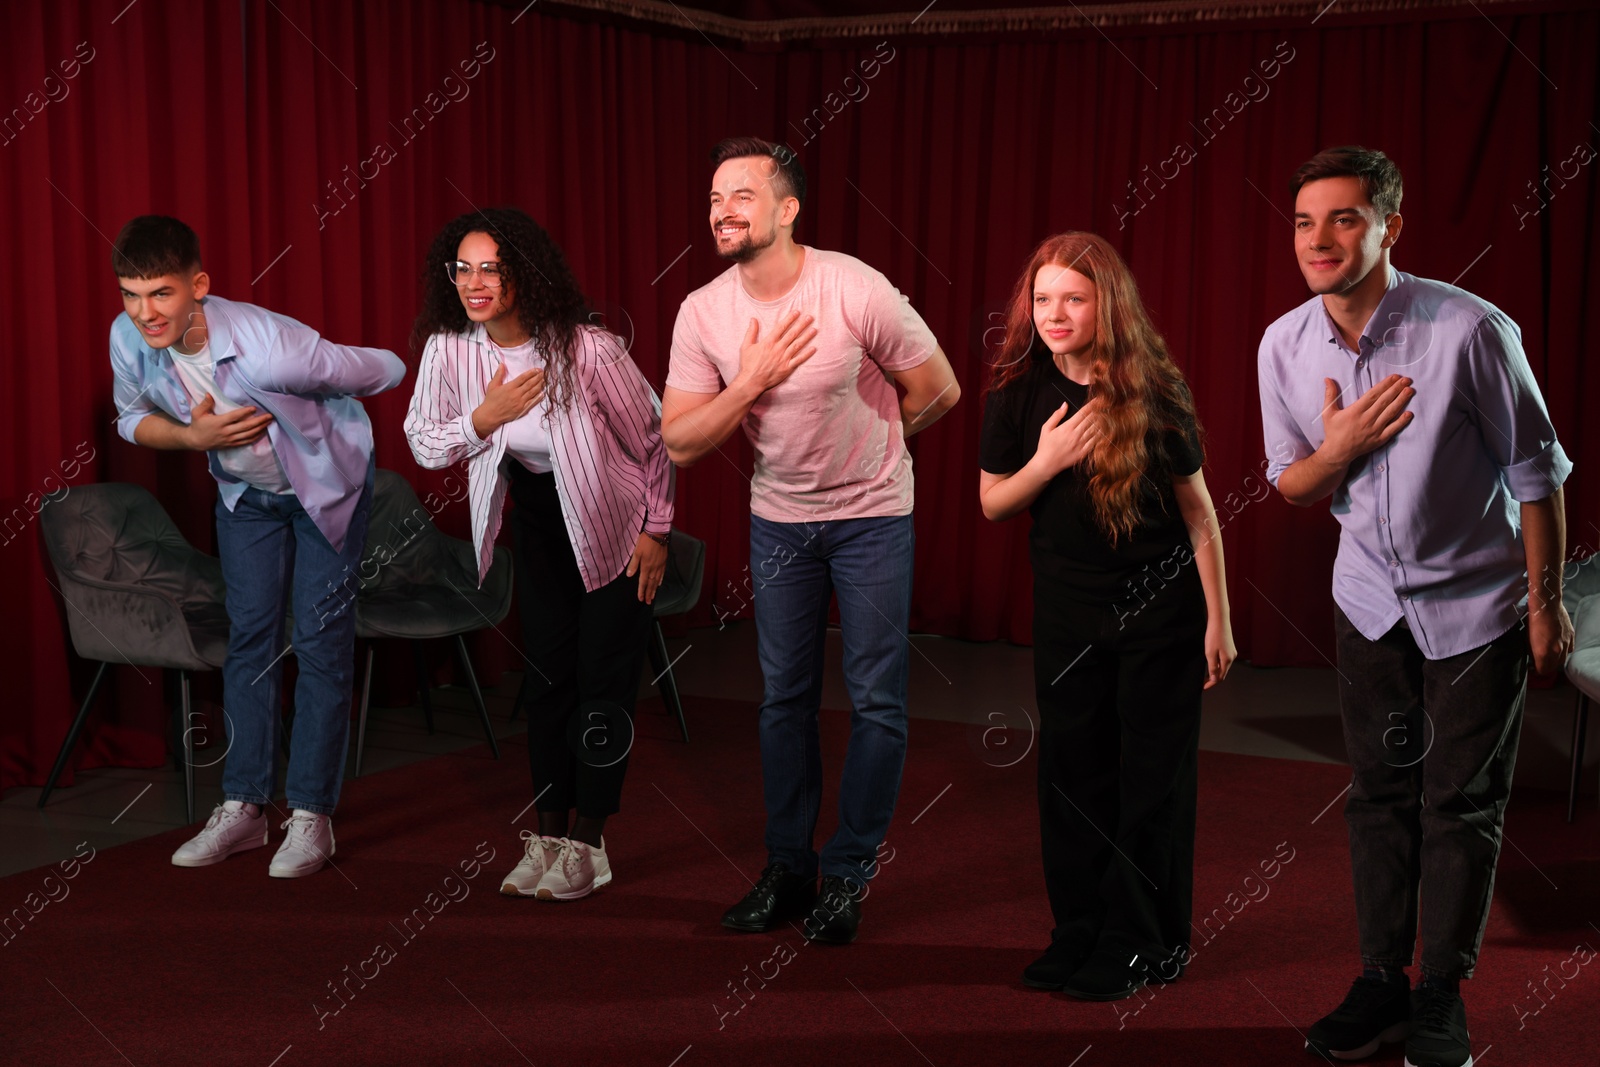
[(1432, 744), (584, 651), (1119, 731)]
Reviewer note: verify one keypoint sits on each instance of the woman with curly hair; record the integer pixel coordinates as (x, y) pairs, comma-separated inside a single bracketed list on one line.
[(1090, 426), (516, 382)]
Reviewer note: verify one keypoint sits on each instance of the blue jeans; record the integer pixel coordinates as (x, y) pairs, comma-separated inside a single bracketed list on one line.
[(794, 567), (271, 549)]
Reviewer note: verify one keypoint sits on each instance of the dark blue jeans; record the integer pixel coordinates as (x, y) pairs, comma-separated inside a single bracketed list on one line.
[(271, 550), (1431, 744), (794, 567)]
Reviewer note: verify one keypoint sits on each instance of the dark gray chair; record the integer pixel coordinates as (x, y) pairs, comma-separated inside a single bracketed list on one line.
[(679, 591), (136, 593), (1581, 594), (417, 583)]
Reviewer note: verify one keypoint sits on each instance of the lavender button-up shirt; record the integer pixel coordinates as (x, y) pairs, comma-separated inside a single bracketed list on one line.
[(1432, 528), (319, 430)]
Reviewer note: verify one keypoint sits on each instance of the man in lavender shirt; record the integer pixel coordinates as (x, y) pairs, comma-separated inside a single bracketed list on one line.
[(803, 348), (1411, 403), (273, 406)]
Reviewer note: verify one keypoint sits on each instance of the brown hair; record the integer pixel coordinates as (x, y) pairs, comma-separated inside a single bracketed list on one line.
[(1380, 178), (152, 246), (789, 177)]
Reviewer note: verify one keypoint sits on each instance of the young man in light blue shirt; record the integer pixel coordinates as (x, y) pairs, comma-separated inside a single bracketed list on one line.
[(273, 406), (1411, 404)]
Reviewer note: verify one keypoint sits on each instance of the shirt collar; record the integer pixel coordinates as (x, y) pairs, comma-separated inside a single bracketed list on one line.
[(1386, 317), (219, 332)]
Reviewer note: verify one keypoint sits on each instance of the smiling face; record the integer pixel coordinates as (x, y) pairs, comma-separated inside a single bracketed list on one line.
[(1339, 236), (1064, 305), (484, 303), (167, 309), (748, 208)]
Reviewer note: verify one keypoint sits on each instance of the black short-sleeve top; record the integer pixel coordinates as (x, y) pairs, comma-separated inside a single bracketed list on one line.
[(1067, 544)]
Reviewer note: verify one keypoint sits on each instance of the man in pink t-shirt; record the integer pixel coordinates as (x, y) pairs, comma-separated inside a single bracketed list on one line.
[(804, 349)]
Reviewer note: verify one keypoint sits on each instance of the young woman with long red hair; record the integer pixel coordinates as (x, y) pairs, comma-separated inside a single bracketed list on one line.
[(1090, 426)]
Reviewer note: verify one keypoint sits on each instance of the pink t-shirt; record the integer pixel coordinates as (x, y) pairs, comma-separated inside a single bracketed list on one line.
[(828, 441)]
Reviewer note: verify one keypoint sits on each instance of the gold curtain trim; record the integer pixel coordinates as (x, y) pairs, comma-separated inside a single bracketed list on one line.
[(933, 22)]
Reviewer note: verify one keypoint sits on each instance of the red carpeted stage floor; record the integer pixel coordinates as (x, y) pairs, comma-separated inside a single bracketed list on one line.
[(406, 954)]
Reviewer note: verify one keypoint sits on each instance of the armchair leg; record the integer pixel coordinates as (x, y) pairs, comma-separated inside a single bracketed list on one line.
[(423, 686), (172, 700), (1580, 720), (188, 746), (477, 695), (72, 734), (662, 665), (361, 723)]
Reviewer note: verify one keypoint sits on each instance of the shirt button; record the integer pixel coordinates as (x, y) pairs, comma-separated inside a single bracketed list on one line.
[(1394, 563), (1383, 520), (1404, 596), (1380, 468)]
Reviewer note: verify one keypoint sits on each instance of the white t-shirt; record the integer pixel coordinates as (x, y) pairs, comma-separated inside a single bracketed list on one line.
[(527, 438), (256, 463)]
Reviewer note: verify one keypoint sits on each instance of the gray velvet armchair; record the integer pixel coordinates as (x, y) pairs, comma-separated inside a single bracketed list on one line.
[(136, 593)]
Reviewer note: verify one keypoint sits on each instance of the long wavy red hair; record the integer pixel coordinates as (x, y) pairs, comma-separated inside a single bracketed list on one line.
[(1142, 389)]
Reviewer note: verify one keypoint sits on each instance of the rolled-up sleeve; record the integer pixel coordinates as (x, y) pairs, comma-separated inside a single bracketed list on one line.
[(1512, 418)]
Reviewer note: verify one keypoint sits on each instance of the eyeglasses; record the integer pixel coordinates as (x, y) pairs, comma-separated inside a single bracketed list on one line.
[(461, 273)]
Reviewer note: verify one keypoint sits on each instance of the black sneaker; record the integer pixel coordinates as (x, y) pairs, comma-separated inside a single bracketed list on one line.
[(1438, 1030), (1109, 973), (779, 895), (838, 912), (1058, 963), (1373, 1011)]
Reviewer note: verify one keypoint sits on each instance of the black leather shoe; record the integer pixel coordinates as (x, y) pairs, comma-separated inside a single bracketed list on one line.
[(1059, 962), (778, 896), (838, 912), (1108, 974)]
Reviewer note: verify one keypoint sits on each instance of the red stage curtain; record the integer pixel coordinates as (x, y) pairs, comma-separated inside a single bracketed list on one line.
[(317, 176), (104, 118)]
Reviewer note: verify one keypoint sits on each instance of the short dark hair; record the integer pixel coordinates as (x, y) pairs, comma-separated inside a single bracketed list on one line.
[(790, 177), (1380, 178), (152, 246)]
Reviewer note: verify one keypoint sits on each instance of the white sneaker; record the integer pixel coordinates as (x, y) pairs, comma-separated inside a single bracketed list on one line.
[(577, 871), (539, 855), (230, 829), (306, 847)]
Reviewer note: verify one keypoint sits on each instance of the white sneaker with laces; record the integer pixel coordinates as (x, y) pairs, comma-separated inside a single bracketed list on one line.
[(577, 871), (306, 847), (230, 829), (538, 856)]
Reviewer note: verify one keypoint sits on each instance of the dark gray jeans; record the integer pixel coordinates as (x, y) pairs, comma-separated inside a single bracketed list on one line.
[(1431, 744)]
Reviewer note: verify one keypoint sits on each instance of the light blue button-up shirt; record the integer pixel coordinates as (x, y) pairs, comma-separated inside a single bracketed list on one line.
[(1432, 528), (319, 430)]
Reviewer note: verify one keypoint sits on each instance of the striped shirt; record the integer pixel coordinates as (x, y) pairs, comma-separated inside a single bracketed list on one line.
[(611, 467)]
